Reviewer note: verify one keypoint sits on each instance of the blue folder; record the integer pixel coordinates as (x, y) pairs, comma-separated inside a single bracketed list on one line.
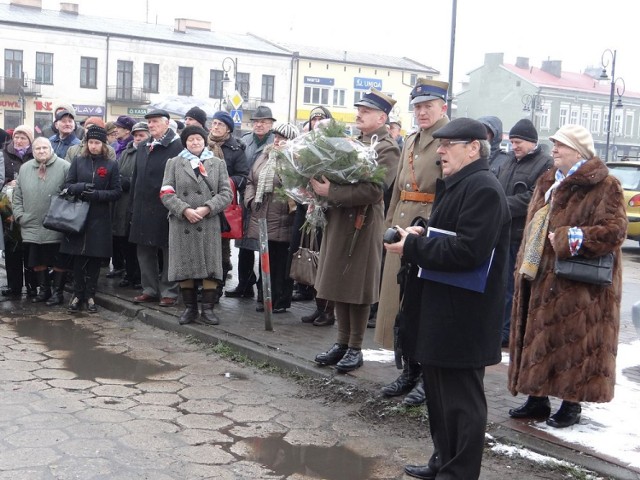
[(475, 280)]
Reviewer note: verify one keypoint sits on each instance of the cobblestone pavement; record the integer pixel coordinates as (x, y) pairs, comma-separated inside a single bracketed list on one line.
[(105, 397)]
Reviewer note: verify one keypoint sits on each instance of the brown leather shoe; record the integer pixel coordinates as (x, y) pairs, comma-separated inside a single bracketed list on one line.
[(167, 302), (144, 298)]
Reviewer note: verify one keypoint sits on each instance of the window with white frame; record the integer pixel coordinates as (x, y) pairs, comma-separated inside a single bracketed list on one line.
[(595, 121), (628, 124), (564, 114), (585, 117), (543, 116), (573, 116), (316, 95), (339, 96), (617, 123), (44, 68), (605, 123)]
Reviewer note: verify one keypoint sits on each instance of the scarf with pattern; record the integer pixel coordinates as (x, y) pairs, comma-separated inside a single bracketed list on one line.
[(267, 175), (215, 144)]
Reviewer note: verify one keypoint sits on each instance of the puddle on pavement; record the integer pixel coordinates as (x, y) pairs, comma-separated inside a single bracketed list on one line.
[(329, 463), (234, 376), (86, 359)]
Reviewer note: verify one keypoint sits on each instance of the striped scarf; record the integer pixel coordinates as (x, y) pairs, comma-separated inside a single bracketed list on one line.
[(266, 176)]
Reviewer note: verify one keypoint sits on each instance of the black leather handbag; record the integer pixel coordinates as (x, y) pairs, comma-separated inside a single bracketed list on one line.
[(67, 214), (596, 271)]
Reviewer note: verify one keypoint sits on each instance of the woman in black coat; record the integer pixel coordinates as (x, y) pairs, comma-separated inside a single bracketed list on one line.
[(96, 179), (224, 145)]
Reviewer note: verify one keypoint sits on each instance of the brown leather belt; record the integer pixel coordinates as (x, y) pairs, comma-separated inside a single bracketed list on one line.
[(417, 196)]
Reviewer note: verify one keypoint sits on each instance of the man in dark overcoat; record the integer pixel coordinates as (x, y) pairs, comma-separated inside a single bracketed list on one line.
[(454, 332), (149, 224)]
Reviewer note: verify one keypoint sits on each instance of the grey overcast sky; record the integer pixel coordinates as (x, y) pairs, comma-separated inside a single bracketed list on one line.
[(576, 32)]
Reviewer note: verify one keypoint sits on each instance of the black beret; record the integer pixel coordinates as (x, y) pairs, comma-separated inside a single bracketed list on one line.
[(462, 128)]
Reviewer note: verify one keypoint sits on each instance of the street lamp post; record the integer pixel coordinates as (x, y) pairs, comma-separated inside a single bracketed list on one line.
[(533, 104), (620, 90), (227, 64)]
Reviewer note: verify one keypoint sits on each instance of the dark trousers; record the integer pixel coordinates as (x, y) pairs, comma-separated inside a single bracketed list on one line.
[(117, 254), (18, 274), (457, 409), (508, 300), (85, 276), (129, 253), (281, 283), (246, 275)]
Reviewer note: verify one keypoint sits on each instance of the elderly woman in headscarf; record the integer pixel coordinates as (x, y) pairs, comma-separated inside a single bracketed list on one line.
[(564, 333), (41, 178), (260, 198), (195, 190), (16, 153)]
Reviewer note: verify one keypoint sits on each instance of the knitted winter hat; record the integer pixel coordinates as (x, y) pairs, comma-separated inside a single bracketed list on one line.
[(197, 114), (225, 118), (96, 133), (193, 130), (576, 137), (286, 130), (26, 130), (525, 130)]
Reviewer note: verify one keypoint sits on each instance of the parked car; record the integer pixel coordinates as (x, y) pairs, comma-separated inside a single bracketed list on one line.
[(629, 175)]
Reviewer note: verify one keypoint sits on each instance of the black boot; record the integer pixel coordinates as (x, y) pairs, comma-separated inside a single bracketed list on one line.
[(58, 289), (189, 298), (352, 359), (31, 282), (331, 356), (534, 407), (406, 381), (208, 301), (44, 281), (416, 396), (327, 316), (567, 415)]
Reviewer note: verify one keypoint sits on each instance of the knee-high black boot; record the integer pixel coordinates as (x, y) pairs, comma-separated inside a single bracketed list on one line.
[(57, 298), (208, 301), (190, 300), (44, 282)]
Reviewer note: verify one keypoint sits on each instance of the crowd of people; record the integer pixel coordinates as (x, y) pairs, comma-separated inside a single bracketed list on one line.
[(469, 268)]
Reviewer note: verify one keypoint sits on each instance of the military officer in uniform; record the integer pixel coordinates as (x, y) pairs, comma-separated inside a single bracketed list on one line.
[(412, 197)]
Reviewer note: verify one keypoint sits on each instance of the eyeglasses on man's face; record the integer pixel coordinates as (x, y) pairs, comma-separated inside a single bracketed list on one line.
[(449, 143)]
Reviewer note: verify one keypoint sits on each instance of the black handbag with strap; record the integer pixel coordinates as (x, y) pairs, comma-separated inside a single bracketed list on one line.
[(596, 271), (67, 214)]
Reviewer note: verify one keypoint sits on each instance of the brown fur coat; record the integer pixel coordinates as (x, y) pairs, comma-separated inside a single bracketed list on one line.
[(564, 334)]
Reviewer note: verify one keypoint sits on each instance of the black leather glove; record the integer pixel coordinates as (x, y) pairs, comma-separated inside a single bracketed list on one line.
[(89, 187), (89, 195), (76, 188)]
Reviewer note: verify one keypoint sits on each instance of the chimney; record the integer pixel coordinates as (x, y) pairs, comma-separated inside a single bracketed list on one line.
[(72, 8), (522, 62), (493, 59), (27, 3), (554, 67), (181, 25)]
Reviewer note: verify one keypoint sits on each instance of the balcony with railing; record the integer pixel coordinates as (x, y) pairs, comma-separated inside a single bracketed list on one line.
[(24, 86), (127, 95)]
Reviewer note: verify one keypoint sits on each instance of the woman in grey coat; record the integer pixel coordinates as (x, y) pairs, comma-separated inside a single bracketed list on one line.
[(195, 189), (41, 178)]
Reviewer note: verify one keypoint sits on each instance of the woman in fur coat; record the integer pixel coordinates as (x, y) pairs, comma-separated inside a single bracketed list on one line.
[(564, 334)]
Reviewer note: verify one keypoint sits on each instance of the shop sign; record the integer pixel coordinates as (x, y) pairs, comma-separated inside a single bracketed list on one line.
[(42, 106), (89, 110), (9, 104)]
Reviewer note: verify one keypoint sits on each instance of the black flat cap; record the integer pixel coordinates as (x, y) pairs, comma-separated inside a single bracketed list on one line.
[(462, 128), (158, 113)]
